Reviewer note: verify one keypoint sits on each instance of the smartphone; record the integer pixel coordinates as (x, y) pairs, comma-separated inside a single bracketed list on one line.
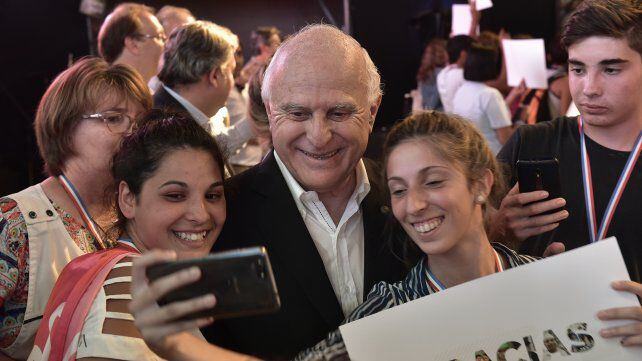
[(241, 279), (536, 175)]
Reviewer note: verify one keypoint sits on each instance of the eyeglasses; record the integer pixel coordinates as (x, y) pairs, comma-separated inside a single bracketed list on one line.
[(160, 36), (117, 123)]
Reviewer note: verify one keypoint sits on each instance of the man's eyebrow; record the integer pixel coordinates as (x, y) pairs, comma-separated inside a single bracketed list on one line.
[(613, 61), (291, 106), (603, 62), (346, 107)]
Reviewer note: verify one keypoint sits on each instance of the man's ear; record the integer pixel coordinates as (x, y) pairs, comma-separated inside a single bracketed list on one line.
[(126, 200), (132, 45), (214, 77), (374, 108)]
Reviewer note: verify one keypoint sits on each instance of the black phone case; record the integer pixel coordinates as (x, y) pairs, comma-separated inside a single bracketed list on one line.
[(242, 281), (535, 175)]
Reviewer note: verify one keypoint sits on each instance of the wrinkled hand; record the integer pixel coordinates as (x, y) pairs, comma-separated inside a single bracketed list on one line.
[(158, 325), (520, 214), (631, 333)]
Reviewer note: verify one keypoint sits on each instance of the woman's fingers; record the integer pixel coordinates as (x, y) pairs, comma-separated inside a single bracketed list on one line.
[(632, 332), (140, 264), (151, 292), (159, 333), (155, 316)]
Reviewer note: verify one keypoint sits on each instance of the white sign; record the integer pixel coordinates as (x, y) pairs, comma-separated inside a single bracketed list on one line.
[(483, 4), (526, 60), (462, 19), (542, 311)]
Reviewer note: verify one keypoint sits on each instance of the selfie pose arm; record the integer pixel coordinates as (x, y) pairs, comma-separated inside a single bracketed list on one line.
[(162, 332)]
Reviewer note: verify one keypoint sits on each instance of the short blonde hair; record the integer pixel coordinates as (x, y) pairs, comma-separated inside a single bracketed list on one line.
[(77, 91)]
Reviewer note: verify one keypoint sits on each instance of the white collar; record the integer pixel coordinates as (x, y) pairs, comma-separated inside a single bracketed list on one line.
[(196, 113)]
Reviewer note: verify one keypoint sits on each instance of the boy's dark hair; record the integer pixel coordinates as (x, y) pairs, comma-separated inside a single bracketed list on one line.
[(456, 45), (481, 63), (609, 18)]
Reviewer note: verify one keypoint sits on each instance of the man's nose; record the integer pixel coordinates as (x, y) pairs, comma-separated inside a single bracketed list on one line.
[(319, 131), (592, 85)]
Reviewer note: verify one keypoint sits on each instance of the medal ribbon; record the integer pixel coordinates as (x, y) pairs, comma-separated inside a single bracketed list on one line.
[(80, 206), (595, 233), (437, 286), (128, 242)]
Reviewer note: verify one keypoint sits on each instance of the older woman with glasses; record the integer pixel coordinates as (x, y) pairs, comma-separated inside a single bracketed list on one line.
[(80, 121)]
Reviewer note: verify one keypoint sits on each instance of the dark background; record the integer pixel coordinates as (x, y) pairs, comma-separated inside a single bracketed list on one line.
[(39, 37)]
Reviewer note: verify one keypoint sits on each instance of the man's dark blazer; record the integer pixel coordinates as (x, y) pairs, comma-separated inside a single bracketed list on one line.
[(163, 100), (262, 211)]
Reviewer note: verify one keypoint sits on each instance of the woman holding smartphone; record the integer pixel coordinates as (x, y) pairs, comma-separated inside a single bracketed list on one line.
[(442, 176), (169, 192)]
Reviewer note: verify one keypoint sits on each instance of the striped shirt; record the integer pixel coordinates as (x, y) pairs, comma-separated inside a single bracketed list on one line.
[(384, 296)]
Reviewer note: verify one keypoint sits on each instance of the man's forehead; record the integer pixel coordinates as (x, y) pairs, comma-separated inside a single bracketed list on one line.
[(150, 22), (323, 69), (600, 47)]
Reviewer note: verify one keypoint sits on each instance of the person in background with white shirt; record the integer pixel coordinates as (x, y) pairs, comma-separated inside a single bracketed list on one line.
[(451, 77), (480, 103), (197, 77)]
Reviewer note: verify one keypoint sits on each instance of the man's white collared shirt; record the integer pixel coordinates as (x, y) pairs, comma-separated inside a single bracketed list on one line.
[(231, 138), (341, 246)]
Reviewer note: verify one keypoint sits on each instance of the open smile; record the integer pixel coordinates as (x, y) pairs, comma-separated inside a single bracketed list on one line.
[(427, 226), (321, 156), (192, 239)]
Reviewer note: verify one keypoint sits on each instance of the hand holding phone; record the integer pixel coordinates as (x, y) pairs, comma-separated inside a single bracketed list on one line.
[(161, 327), (241, 280), (534, 205), (536, 175)]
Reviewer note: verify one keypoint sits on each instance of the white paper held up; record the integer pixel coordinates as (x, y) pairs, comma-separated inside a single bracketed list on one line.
[(526, 59), (512, 313), (461, 20), (483, 4)]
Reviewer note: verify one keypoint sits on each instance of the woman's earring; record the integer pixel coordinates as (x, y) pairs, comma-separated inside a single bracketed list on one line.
[(480, 199)]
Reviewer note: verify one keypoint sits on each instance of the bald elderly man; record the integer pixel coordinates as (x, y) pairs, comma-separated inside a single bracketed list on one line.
[(313, 202)]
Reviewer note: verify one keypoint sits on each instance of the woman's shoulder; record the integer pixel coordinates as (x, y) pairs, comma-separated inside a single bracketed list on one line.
[(109, 322), (514, 259), (10, 212), (13, 228), (411, 287)]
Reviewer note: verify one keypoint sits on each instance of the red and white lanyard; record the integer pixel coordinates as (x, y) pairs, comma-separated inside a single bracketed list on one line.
[(595, 233), (437, 286), (80, 206)]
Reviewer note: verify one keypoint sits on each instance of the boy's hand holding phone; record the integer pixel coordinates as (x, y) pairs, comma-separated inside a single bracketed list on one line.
[(520, 215)]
